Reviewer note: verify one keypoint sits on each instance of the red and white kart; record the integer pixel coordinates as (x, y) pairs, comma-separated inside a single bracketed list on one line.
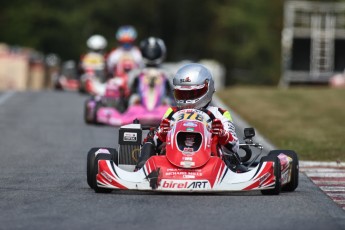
[(192, 163)]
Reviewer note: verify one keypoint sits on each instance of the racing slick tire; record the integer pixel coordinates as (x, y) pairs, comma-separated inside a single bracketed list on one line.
[(86, 114), (293, 184), (91, 157), (97, 106), (277, 173)]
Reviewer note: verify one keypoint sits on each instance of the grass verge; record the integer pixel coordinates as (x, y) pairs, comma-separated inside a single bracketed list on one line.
[(310, 121)]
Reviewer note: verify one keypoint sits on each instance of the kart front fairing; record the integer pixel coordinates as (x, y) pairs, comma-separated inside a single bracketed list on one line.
[(160, 175), (190, 164)]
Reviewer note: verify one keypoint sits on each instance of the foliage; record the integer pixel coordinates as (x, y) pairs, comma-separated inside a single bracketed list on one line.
[(242, 34)]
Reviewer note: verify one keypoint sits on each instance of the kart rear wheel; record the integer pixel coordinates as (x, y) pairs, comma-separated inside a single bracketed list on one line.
[(277, 173), (86, 113), (91, 157), (94, 115), (293, 184)]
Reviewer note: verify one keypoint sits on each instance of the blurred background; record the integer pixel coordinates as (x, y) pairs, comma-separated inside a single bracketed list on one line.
[(244, 35)]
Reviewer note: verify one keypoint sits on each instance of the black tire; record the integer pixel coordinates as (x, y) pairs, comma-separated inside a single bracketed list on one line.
[(81, 87), (86, 119), (97, 106), (90, 166), (277, 173), (293, 184), (91, 157)]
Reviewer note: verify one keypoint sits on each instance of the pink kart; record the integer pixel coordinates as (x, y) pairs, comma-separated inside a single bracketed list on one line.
[(148, 106)]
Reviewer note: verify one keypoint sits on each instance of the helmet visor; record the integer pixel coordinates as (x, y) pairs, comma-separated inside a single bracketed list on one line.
[(190, 92)]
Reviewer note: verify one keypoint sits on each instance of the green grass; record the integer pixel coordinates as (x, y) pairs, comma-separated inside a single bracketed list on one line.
[(309, 120)]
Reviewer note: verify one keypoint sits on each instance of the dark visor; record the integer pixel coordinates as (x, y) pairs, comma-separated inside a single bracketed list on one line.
[(190, 94)]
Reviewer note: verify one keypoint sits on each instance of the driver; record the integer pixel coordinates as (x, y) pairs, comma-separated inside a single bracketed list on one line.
[(193, 89)]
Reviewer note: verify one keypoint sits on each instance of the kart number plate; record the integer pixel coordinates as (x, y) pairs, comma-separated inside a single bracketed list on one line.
[(191, 116)]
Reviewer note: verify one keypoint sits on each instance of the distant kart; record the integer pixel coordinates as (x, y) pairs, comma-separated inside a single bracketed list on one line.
[(115, 97), (149, 107), (192, 162), (93, 74), (65, 83), (67, 79)]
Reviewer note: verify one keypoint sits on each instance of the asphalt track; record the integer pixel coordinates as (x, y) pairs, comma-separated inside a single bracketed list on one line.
[(43, 146)]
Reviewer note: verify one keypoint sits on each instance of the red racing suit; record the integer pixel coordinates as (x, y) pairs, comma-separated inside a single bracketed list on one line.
[(223, 115)]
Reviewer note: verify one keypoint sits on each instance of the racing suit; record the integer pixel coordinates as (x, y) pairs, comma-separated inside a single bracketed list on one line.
[(154, 141), (117, 54), (133, 83)]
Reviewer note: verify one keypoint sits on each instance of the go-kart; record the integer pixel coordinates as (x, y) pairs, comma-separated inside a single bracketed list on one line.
[(192, 162), (148, 108), (67, 79), (115, 96), (93, 74)]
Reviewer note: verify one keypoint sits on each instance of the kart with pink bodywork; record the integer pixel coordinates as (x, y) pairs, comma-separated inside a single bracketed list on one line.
[(191, 162), (149, 106)]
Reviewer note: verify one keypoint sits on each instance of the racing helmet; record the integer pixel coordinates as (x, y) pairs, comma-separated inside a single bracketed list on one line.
[(153, 50), (126, 34), (193, 86), (96, 42)]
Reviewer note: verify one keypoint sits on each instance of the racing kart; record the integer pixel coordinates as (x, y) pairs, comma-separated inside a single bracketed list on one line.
[(113, 97), (67, 79), (92, 68), (149, 106), (192, 162)]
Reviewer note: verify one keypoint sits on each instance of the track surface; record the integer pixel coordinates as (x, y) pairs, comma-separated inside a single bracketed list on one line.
[(43, 146)]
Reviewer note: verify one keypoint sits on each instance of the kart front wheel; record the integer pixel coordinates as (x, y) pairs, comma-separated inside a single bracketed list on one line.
[(293, 184), (87, 114), (277, 173), (101, 156), (91, 158)]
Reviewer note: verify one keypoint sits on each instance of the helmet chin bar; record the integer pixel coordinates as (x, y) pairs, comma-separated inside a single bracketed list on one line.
[(191, 104)]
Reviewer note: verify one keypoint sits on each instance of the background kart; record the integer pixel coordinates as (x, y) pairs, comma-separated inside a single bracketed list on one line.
[(199, 168), (92, 68), (148, 106)]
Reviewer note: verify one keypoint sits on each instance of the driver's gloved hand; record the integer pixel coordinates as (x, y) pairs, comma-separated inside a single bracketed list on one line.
[(150, 136), (164, 127), (217, 129)]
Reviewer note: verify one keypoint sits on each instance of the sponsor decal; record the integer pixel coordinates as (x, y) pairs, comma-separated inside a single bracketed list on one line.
[(264, 178), (127, 136), (190, 129), (187, 158), (180, 184), (187, 79), (286, 177), (183, 172), (106, 176), (190, 124), (187, 164), (188, 176), (188, 150)]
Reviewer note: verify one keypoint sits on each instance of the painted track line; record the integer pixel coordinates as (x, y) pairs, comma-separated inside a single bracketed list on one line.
[(329, 177), (4, 97)]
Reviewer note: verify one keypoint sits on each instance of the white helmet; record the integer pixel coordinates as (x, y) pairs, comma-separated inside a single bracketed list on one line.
[(96, 42), (193, 86)]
